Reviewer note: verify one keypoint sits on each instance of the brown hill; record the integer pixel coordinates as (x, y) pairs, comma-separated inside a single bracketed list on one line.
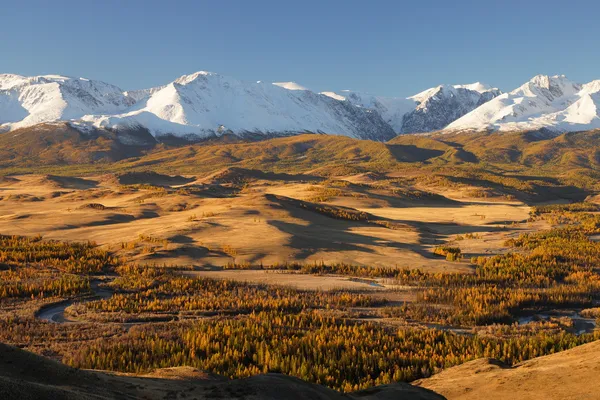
[(65, 182), (573, 150), (523, 166), (571, 374), (60, 144)]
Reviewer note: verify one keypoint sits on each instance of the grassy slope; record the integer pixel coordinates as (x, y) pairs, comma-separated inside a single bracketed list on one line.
[(571, 159), (570, 374)]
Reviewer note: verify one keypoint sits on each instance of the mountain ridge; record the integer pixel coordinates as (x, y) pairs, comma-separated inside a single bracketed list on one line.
[(544, 102), (205, 105)]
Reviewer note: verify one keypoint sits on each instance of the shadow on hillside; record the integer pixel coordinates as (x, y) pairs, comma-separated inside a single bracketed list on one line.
[(532, 191), (69, 182), (325, 233), (316, 237), (427, 199), (191, 251), (108, 220), (412, 153)]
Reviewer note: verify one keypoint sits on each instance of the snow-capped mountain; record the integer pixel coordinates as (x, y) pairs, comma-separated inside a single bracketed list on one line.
[(26, 101), (442, 105), (206, 104), (195, 106), (431, 110), (545, 102), (391, 109)]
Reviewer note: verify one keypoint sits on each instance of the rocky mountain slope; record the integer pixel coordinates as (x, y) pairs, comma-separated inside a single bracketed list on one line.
[(440, 106), (431, 110)]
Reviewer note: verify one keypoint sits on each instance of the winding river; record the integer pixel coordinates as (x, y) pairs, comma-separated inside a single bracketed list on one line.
[(56, 312)]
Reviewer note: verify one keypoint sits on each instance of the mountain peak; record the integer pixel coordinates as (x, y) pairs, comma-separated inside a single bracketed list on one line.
[(205, 104), (543, 102), (290, 85), (477, 87), (426, 94), (430, 110), (591, 87), (545, 81), (52, 77), (186, 79), (553, 87), (333, 95), (9, 80)]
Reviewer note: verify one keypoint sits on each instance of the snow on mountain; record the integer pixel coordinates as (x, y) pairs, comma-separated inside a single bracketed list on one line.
[(477, 87), (334, 95), (290, 85), (391, 109), (439, 106), (205, 104), (196, 106), (550, 102), (26, 101), (431, 110)]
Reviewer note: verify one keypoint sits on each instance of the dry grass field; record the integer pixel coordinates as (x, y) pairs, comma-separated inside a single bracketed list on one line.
[(244, 217)]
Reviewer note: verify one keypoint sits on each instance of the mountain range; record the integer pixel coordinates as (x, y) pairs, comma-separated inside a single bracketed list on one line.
[(205, 104)]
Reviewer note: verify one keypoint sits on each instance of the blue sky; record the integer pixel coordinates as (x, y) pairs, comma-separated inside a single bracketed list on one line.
[(382, 47)]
